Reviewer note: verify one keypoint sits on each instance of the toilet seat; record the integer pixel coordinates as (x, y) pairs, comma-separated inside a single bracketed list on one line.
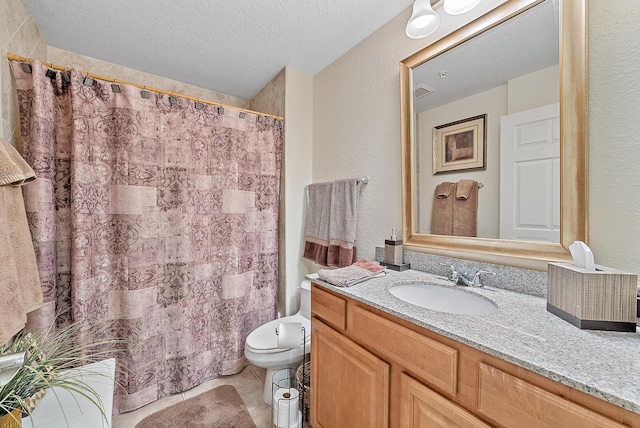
[(264, 340)]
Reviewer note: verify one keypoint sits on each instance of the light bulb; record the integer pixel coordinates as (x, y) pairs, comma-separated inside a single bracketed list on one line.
[(457, 7), (423, 21)]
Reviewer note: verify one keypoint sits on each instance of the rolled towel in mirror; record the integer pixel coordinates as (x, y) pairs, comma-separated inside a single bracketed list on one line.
[(289, 335), (464, 189), (443, 189)]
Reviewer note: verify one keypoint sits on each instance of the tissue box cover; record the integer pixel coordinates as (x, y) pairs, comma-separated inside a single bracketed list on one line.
[(600, 300)]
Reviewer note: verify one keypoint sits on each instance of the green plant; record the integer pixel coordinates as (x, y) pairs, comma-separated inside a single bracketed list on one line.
[(49, 356)]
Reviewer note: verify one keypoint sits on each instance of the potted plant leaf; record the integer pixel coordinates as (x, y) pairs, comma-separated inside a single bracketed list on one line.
[(48, 356)]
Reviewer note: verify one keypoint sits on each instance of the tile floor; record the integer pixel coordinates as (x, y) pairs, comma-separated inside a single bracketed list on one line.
[(249, 384)]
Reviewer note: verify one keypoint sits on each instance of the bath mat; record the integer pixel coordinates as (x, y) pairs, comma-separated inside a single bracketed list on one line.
[(219, 407)]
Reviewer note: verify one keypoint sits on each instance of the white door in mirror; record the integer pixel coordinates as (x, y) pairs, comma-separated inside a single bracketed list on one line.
[(530, 175)]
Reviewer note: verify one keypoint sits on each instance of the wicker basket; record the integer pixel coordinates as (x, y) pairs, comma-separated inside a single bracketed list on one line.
[(11, 420), (303, 384)]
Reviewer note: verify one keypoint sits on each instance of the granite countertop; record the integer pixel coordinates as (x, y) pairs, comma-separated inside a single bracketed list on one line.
[(522, 331)]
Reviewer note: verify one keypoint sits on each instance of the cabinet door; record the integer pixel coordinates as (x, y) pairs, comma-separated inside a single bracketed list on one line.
[(420, 407), (513, 402), (349, 385)]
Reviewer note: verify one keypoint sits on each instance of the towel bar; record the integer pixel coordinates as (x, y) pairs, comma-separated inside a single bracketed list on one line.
[(365, 180)]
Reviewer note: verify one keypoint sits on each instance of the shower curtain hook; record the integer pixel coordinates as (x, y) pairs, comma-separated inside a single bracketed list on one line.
[(144, 93), (26, 67), (198, 105), (172, 99), (115, 87), (88, 80)]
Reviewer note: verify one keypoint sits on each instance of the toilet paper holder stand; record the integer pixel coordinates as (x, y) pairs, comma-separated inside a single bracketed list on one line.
[(285, 407)]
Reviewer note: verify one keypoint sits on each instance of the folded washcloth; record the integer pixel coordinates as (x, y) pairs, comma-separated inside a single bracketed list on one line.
[(347, 276), (443, 189), (464, 188), (14, 170)]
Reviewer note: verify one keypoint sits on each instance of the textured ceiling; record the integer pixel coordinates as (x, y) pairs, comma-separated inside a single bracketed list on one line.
[(230, 46), (526, 43)]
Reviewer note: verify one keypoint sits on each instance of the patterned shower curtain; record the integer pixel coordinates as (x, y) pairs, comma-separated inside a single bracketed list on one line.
[(154, 221)]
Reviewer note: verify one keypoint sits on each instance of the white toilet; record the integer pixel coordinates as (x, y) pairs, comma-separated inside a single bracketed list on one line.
[(261, 349)]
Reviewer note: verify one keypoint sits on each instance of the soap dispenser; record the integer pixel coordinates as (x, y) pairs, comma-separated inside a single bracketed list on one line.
[(393, 249)]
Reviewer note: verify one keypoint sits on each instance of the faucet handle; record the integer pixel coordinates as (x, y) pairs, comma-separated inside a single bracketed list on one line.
[(453, 276), (477, 280)]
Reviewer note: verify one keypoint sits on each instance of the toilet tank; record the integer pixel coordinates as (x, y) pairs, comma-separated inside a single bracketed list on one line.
[(305, 299)]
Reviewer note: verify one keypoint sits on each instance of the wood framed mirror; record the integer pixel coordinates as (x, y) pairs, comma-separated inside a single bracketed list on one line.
[(573, 134)]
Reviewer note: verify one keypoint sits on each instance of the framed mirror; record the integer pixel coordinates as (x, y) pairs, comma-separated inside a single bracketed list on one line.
[(572, 135)]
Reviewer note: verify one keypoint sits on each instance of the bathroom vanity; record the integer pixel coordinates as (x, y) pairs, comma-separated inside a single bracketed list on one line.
[(378, 361)]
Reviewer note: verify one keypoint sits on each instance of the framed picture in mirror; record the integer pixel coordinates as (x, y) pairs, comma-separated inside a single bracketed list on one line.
[(460, 145)]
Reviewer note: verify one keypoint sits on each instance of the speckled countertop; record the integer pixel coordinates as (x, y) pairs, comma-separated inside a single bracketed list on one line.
[(603, 364)]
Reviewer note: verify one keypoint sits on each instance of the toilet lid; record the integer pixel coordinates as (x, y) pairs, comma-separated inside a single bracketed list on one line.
[(265, 338)]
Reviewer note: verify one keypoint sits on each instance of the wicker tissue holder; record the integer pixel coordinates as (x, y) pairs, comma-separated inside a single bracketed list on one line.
[(600, 300)]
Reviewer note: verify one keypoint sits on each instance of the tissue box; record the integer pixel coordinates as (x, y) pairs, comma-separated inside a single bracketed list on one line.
[(600, 300)]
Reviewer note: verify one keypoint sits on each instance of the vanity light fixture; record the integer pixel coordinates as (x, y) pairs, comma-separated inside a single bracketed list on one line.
[(458, 7), (424, 20)]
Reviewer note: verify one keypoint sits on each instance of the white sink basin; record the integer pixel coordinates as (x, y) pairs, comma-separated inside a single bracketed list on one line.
[(443, 299)]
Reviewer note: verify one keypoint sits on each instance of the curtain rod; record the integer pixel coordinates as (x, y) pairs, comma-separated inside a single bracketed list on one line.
[(14, 57)]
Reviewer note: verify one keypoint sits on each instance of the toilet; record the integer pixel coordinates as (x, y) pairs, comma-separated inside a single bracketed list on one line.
[(261, 350)]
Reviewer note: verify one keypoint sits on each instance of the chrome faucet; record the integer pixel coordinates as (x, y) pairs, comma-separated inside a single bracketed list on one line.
[(463, 278)]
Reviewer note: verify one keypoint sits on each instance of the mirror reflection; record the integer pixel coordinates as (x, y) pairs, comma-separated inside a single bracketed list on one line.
[(487, 133)]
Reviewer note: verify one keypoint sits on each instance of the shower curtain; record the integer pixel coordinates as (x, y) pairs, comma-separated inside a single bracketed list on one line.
[(154, 221)]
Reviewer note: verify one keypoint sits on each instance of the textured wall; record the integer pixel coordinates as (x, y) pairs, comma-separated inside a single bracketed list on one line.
[(356, 122), (115, 71), (522, 93), (493, 103), (18, 35), (357, 128), (297, 164), (614, 133), (271, 98)]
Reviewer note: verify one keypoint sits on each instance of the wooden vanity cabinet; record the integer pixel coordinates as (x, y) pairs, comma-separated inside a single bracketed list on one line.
[(371, 369), (354, 386), (420, 406)]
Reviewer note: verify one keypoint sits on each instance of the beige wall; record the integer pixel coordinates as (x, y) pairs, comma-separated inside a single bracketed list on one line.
[(290, 95), (522, 93), (614, 130), (271, 98), (352, 115), (357, 129), (115, 71), (536, 89), (298, 152), (18, 35), (493, 103), (356, 122)]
